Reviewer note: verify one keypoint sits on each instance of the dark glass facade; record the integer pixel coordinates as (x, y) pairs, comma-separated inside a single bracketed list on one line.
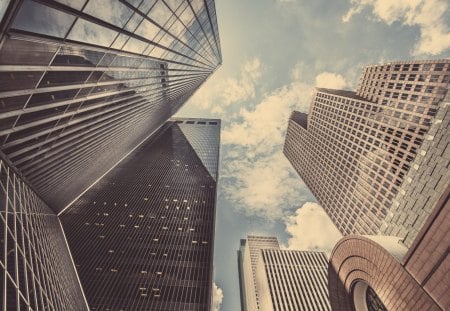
[(142, 237), (83, 82)]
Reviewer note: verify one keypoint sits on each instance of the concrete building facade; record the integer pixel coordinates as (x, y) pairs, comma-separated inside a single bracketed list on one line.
[(292, 280), (354, 149), (364, 273), (274, 279), (248, 255)]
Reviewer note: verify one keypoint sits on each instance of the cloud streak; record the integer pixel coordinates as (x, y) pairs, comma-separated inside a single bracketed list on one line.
[(428, 15)]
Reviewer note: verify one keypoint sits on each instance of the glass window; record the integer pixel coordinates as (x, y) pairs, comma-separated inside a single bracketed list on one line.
[(21, 80), (22, 52), (147, 30), (88, 32), (38, 18), (111, 11), (76, 4), (135, 46), (134, 22), (3, 7), (160, 13)]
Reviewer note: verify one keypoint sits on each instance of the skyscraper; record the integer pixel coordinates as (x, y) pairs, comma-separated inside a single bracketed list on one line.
[(354, 149), (82, 83), (142, 237), (275, 279), (417, 276)]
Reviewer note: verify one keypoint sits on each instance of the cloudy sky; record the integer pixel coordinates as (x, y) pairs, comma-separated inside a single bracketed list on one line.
[(274, 53)]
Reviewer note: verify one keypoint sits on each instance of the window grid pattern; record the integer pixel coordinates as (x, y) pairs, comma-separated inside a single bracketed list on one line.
[(78, 81), (296, 280), (37, 272), (367, 144), (142, 237), (250, 252)]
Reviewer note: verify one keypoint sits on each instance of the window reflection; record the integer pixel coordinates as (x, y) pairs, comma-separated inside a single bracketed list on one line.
[(3, 7), (111, 11), (92, 33), (38, 18)]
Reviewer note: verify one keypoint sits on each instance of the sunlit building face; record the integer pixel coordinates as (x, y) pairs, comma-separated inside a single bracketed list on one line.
[(354, 149)]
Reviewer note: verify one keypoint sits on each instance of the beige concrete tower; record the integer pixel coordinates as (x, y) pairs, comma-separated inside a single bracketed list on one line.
[(354, 149)]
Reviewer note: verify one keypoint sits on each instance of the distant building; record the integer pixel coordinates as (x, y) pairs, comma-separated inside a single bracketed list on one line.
[(292, 280), (275, 279), (83, 83), (247, 260), (354, 149)]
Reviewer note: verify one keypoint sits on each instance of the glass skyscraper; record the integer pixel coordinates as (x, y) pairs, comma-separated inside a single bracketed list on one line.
[(142, 237), (82, 84)]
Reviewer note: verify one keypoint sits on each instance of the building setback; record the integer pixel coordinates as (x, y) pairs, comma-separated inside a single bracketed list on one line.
[(142, 237), (354, 149), (292, 280), (82, 83)]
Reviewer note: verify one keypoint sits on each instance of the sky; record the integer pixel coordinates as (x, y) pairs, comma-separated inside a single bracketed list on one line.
[(274, 53)]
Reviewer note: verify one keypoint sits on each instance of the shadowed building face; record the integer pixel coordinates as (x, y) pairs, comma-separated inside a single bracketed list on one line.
[(142, 237)]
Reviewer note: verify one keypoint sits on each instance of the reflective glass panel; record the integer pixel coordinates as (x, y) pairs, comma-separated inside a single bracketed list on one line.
[(92, 33), (38, 18)]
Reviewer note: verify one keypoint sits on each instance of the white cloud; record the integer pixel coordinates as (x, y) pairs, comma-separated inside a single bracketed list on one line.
[(428, 15), (330, 80), (263, 127), (265, 186), (258, 178), (238, 90), (217, 95), (311, 229), (217, 297)]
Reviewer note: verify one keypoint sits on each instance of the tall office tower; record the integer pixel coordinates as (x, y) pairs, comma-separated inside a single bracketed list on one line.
[(84, 81), (413, 274), (248, 254), (142, 237), (292, 280), (354, 149)]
